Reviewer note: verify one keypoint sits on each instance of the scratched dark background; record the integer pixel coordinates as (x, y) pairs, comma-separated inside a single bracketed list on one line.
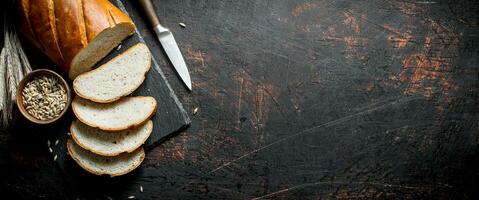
[(301, 100)]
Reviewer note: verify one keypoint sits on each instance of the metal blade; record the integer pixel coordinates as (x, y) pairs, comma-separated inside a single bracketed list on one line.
[(174, 54)]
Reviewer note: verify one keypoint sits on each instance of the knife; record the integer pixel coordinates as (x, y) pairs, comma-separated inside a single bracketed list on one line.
[(168, 42)]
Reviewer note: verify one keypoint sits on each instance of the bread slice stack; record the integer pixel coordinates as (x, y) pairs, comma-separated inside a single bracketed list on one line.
[(112, 126)]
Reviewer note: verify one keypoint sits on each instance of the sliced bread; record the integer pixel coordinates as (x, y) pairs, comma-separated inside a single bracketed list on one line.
[(110, 143), (118, 77), (100, 165), (126, 113)]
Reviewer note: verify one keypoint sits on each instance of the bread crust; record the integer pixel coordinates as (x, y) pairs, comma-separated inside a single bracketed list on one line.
[(135, 124), (75, 85), (43, 23), (26, 28), (103, 153), (78, 161), (101, 14), (71, 28)]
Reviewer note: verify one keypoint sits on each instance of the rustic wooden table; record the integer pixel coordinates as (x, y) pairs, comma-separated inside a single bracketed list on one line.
[(301, 99)]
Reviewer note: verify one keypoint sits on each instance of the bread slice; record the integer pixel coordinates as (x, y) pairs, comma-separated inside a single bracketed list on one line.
[(110, 143), (126, 113), (100, 165), (118, 77)]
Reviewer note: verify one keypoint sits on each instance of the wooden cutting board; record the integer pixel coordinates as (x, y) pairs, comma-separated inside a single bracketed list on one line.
[(169, 119)]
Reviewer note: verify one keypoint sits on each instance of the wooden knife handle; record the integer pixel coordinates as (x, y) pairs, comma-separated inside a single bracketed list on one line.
[(150, 12)]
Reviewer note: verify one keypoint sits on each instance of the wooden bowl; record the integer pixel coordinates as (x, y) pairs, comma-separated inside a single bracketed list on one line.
[(27, 79)]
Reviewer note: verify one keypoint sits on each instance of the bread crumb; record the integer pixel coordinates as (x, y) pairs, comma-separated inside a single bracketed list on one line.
[(195, 110), (183, 25)]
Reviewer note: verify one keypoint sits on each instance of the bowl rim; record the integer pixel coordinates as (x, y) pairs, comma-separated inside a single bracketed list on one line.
[(25, 80)]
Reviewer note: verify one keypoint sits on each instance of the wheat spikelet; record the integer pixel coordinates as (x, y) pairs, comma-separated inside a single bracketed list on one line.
[(13, 67)]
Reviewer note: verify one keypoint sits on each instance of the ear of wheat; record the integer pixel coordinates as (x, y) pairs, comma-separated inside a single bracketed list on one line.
[(14, 65)]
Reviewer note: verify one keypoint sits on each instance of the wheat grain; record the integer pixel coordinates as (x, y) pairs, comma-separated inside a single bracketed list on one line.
[(44, 97)]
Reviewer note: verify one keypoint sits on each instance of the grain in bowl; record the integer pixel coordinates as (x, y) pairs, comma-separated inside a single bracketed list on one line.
[(44, 97)]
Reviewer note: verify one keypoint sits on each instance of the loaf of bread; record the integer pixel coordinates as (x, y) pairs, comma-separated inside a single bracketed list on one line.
[(74, 34), (106, 143), (103, 165), (128, 112), (118, 77)]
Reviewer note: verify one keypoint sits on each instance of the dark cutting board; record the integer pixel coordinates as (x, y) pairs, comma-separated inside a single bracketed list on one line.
[(170, 117)]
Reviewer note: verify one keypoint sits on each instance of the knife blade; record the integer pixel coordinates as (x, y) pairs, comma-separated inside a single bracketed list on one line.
[(168, 43)]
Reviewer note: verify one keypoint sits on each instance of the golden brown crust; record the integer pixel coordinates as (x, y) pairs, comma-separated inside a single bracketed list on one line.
[(71, 27), (42, 19), (99, 68), (26, 27), (96, 17), (78, 161), (62, 28), (129, 150), (117, 16), (101, 14), (136, 124)]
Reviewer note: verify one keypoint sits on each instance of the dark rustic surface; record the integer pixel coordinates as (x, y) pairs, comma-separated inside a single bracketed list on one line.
[(311, 99)]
